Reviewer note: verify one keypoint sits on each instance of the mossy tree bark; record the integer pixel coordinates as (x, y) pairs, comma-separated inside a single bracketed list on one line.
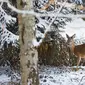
[(28, 54)]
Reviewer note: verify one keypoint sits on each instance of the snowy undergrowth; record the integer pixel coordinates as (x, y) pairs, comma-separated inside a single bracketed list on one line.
[(56, 76), (61, 76)]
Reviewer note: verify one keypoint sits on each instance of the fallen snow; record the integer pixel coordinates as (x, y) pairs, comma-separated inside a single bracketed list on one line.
[(56, 76), (61, 76), (4, 78), (77, 26)]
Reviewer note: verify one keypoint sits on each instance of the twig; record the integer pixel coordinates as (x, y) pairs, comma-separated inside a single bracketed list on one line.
[(81, 80)]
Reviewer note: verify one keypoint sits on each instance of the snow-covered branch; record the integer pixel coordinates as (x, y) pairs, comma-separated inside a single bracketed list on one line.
[(52, 14), (57, 13), (62, 15)]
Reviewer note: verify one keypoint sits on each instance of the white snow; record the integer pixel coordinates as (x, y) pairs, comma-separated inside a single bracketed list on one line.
[(6, 35), (61, 76), (77, 26), (35, 43), (4, 78), (56, 76)]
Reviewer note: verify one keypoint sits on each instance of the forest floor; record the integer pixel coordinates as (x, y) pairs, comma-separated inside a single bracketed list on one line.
[(50, 76)]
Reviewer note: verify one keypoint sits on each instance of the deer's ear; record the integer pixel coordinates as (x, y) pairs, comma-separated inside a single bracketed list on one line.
[(74, 36), (67, 36)]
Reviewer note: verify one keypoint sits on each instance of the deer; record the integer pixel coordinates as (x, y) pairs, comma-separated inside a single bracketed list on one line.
[(77, 50), (81, 7), (46, 6)]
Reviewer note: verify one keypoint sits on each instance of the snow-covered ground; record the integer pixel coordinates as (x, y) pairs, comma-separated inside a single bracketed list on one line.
[(56, 76), (62, 76), (4, 78)]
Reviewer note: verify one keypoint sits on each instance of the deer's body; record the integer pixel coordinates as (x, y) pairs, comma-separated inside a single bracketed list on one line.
[(78, 50)]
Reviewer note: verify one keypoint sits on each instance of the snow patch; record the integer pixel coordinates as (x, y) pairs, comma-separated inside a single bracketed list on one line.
[(4, 78), (61, 76), (49, 75), (77, 26)]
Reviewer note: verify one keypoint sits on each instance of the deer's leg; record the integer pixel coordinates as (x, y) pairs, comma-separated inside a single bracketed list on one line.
[(78, 62)]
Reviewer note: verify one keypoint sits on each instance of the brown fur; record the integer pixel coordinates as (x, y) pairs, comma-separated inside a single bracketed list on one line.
[(78, 50), (48, 4)]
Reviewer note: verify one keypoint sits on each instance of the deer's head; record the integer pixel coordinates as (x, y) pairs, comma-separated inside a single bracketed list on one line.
[(70, 40)]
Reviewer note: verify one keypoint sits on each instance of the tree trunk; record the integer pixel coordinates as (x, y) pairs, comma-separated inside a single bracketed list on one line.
[(28, 54)]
